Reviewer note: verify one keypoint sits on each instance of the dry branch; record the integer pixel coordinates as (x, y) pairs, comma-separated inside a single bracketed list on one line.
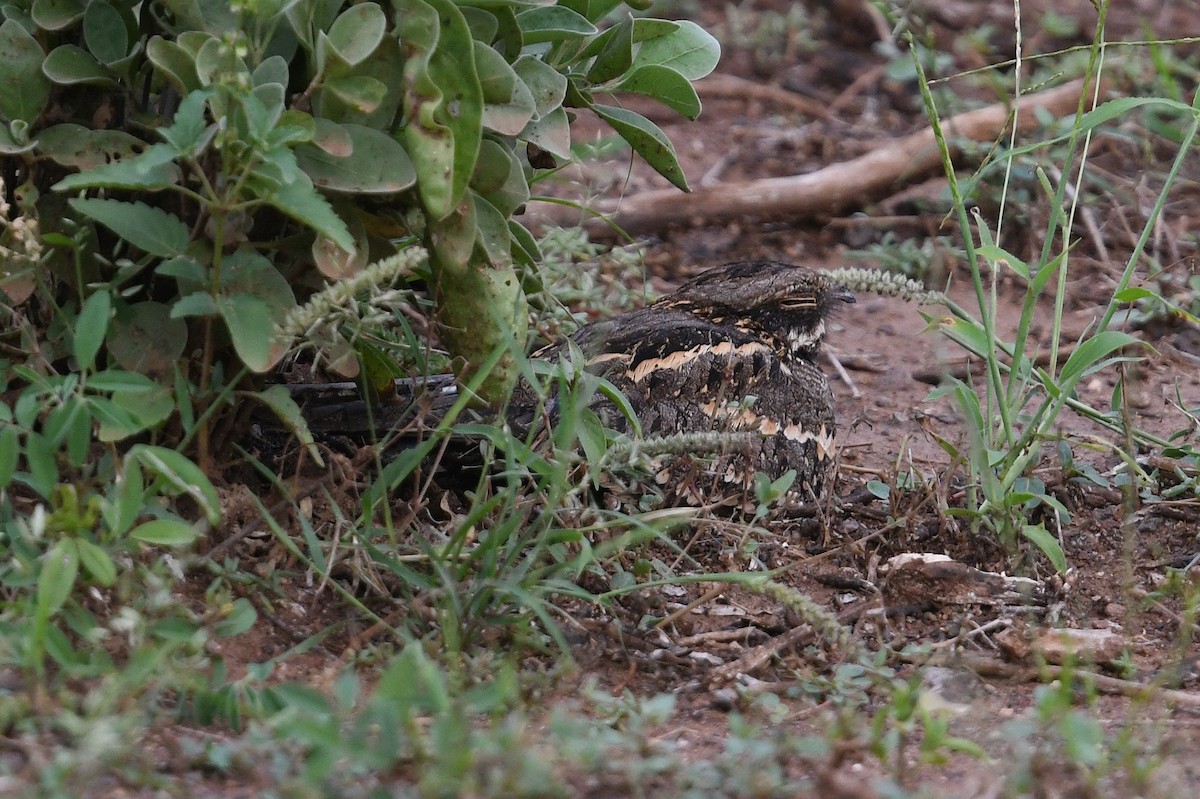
[(838, 187)]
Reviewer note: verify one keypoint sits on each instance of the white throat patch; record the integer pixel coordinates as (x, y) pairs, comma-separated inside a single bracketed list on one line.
[(805, 339)]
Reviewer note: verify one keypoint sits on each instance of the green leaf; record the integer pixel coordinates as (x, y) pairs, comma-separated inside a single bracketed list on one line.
[(616, 56), (509, 104), (104, 32), (496, 77), (665, 85), (10, 448), (146, 227), (647, 140), (68, 65), (24, 89), (1093, 350), (60, 567), (14, 145), (90, 328), (1040, 537), (1123, 105), (153, 169), (361, 92), (83, 148), (551, 133), (118, 380), (689, 50), (165, 533), (198, 303), (547, 85), (552, 24), (354, 35), (241, 618), (115, 422), (42, 459), (146, 409), (285, 408), (299, 200), (1134, 294), (374, 163), (592, 439), (442, 98), (181, 474), (254, 298), (175, 63), (54, 15), (145, 338), (500, 179), (96, 562)]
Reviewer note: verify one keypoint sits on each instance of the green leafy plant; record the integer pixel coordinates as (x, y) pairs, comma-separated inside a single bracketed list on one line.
[(206, 164), (1012, 415)]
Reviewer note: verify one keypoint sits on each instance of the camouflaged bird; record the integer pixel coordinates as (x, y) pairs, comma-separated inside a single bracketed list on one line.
[(732, 350)]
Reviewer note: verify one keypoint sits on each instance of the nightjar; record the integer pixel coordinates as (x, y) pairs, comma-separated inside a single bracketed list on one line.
[(732, 350)]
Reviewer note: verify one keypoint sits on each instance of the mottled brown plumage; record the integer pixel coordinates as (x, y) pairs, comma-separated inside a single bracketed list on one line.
[(732, 350)]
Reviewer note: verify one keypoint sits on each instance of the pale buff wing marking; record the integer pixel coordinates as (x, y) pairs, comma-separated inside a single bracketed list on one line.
[(681, 358)]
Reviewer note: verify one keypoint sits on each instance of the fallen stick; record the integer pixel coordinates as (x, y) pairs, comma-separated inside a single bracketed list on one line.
[(835, 188)]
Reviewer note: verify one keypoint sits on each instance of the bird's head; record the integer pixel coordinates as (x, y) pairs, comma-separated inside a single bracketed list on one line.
[(783, 305)]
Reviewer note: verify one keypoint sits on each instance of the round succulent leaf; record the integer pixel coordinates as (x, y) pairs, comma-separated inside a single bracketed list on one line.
[(12, 145), (689, 50), (272, 70), (500, 179), (24, 88), (376, 163), (483, 24), (553, 24), (547, 85), (666, 85), (524, 246), (510, 117), (332, 138), (361, 92), (54, 15), (551, 133), (492, 236), (175, 63), (68, 65), (357, 32), (145, 339), (215, 60), (105, 32), (496, 77), (192, 41), (386, 65)]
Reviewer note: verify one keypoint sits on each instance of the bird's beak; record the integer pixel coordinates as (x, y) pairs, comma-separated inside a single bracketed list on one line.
[(842, 293)]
